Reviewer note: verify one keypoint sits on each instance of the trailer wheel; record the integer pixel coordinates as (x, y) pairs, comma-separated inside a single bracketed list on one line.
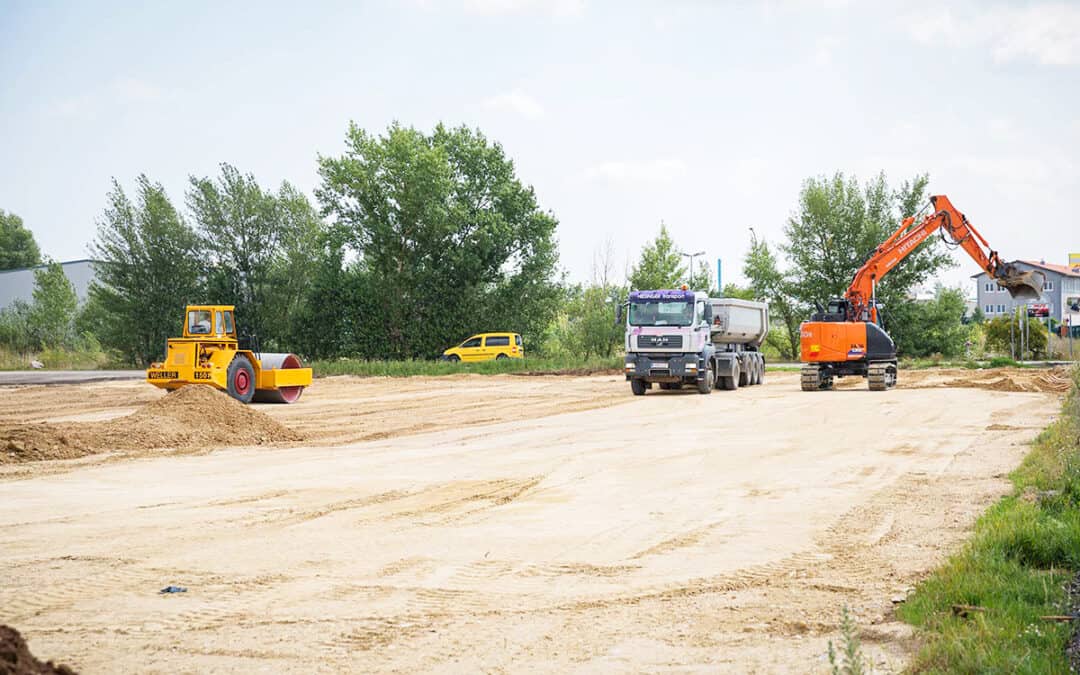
[(638, 387), (705, 385), (240, 379), (731, 382)]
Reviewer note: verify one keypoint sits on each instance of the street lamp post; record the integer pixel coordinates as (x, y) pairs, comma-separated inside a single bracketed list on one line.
[(691, 256)]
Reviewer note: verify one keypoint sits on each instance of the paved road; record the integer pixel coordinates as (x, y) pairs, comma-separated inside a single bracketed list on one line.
[(67, 376)]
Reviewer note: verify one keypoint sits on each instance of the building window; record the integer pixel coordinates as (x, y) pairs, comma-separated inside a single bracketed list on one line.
[(989, 309), (1048, 285), (989, 288), (1001, 309)]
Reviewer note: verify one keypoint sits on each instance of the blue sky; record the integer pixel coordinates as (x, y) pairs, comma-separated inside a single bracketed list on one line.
[(705, 115)]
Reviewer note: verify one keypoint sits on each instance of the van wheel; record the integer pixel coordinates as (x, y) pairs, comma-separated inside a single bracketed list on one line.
[(500, 357), (454, 358)]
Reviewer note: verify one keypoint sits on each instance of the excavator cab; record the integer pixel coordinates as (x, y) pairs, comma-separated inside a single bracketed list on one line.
[(837, 310)]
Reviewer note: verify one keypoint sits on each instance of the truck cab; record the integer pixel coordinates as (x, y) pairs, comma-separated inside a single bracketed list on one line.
[(681, 337), (667, 339)]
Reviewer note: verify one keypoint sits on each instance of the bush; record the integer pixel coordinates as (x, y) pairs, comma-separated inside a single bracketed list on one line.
[(1003, 331)]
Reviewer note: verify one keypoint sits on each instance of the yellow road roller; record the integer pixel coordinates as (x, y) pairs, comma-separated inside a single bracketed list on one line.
[(210, 353)]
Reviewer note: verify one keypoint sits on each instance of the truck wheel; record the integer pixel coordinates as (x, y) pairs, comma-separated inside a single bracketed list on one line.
[(744, 376), (638, 387), (705, 385), (731, 382), (240, 379), (761, 373)]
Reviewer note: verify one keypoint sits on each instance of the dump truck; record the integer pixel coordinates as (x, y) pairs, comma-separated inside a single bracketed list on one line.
[(210, 353), (681, 337)]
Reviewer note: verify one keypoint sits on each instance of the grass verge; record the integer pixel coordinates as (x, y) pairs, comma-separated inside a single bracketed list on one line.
[(527, 366), (980, 612), (55, 359)]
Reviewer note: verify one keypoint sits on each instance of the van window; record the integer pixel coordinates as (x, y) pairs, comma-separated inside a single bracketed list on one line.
[(471, 342), (517, 340), (498, 341)]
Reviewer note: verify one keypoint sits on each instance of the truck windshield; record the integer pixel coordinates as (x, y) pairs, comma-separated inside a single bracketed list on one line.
[(661, 313)]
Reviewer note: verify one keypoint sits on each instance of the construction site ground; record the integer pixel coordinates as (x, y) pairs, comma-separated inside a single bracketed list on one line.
[(498, 523)]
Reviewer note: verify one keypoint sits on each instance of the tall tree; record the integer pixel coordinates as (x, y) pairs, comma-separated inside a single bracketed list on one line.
[(660, 265), (302, 250), (932, 326), (17, 245), (149, 268), (839, 224), (770, 284), (241, 232), (448, 238), (52, 314)]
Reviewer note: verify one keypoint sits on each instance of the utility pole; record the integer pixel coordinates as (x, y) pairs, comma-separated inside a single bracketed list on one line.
[(691, 256)]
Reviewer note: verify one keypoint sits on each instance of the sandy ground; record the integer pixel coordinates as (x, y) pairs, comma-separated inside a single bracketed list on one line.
[(505, 524)]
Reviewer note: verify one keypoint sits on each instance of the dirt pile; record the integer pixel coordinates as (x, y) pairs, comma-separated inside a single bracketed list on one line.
[(1055, 380), (1038, 380), (190, 418), (16, 659)]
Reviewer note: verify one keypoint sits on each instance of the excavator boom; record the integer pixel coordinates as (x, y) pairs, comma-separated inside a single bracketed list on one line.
[(956, 230)]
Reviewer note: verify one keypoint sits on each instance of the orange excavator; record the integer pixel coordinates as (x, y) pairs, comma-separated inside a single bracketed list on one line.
[(847, 338)]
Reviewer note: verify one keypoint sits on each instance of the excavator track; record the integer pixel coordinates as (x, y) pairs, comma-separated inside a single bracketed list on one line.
[(812, 379), (882, 376)]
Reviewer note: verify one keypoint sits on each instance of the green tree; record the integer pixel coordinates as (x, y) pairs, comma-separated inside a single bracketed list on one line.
[(660, 265), (768, 283), (301, 251), (149, 269), (839, 224), (739, 292), (52, 314), (1004, 331), (17, 245), (241, 233), (932, 326), (448, 240), (15, 327)]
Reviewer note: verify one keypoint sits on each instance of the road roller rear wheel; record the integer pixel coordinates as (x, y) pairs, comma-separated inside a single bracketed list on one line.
[(241, 379)]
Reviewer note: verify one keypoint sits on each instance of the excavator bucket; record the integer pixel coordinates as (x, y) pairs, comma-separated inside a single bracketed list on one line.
[(1022, 285)]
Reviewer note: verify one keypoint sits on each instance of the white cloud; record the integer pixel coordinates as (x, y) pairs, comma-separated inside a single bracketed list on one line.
[(1045, 33), (123, 91), (558, 8), (823, 50), (516, 101), (650, 171)]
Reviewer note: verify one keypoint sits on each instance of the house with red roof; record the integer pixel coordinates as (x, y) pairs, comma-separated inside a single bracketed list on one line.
[(1060, 298)]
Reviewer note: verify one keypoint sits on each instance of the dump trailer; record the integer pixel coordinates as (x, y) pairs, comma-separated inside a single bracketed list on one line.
[(210, 353), (679, 337)]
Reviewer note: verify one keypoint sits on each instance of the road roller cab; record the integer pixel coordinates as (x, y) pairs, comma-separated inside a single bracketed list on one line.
[(210, 353)]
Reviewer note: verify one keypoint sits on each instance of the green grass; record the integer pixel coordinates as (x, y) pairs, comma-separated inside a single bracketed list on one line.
[(1023, 551), (557, 366), (55, 359)]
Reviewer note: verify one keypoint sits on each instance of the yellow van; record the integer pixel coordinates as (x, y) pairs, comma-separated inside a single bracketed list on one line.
[(487, 346)]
